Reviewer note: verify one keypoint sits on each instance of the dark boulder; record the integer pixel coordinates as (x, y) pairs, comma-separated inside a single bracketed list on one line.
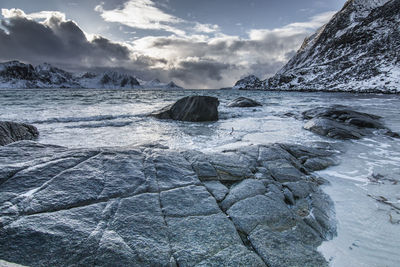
[(191, 108), (243, 102), (340, 122), (12, 132)]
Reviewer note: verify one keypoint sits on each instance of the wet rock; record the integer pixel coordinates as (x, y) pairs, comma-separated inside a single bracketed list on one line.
[(151, 206), (261, 209), (191, 108), (341, 122), (11, 132), (233, 256), (217, 189), (243, 102), (233, 167), (201, 165), (317, 164), (245, 189), (289, 198), (333, 129), (301, 189), (283, 171), (284, 248)]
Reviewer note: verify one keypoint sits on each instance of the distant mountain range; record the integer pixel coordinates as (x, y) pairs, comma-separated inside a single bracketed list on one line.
[(357, 50), (15, 74)]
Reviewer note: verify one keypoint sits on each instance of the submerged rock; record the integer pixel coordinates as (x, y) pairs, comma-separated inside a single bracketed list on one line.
[(11, 132), (243, 102), (341, 122), (146, 206), (191, 108)]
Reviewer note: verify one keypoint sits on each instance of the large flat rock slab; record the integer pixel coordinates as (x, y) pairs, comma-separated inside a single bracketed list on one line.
[(150, 206)]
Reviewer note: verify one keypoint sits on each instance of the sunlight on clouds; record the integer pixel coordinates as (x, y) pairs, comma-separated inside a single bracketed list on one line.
[(47, 15), (293, 28), (262, 53), (196, 55), (13, 12), (206, 28), (142, 14)]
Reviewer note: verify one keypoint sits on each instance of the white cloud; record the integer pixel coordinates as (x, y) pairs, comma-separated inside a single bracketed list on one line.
[(145, 14), (13, 12), (99, 8), (206, 28), (142, 14), (293, 28), (47, 15), (42, 15)]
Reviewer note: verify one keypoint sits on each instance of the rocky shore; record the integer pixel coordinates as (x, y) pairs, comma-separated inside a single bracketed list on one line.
[(152, 206)]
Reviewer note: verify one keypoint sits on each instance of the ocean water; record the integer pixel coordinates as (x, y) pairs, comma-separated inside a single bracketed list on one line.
[(365, 187)]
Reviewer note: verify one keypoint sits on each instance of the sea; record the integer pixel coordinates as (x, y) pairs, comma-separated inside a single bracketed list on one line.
[(365, 186)]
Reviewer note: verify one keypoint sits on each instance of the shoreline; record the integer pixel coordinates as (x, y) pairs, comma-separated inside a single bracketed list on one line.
[(353, 92)]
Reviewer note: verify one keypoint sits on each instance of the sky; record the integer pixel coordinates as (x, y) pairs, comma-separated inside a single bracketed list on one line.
[(197, 44)]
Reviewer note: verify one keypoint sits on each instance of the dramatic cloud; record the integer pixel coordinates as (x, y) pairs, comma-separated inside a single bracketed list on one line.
[(142, 14), (201, 58), (145, 14), (222, 59), (54, 40)]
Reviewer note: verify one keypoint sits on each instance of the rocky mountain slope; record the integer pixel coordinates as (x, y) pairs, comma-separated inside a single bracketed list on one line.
[(14, 74), (357, 50), (249, 82)]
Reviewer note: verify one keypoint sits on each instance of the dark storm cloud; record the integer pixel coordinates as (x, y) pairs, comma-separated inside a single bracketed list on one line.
[(226, 55), (270, 44), (194, 72), (56, 41), (195, 60)]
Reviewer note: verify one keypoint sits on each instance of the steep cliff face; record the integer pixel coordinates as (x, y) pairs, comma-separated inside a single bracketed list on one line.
[(357, 50)]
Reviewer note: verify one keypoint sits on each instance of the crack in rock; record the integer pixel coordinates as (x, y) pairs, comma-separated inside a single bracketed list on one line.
[(157, 207)]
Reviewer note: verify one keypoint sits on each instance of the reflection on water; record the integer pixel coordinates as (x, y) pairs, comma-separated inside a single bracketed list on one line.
[(364, 187)]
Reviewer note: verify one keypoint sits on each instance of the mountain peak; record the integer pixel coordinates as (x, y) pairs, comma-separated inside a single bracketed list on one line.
[(355, 51), (15, 74)]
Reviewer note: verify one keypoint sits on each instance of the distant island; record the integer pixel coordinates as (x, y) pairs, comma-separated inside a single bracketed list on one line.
[(18, 75)]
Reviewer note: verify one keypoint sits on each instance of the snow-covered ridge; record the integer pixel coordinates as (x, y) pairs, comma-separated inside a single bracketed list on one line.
[(357, 50), (249, 82), (15, 74)]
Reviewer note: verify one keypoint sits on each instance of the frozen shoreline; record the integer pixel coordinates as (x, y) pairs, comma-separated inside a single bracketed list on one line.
[(275, 122)]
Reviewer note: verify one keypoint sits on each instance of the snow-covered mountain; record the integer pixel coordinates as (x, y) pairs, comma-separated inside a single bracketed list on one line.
[(357, 50), (157, 84), (14, 74), (249, 82), (108, 80)]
